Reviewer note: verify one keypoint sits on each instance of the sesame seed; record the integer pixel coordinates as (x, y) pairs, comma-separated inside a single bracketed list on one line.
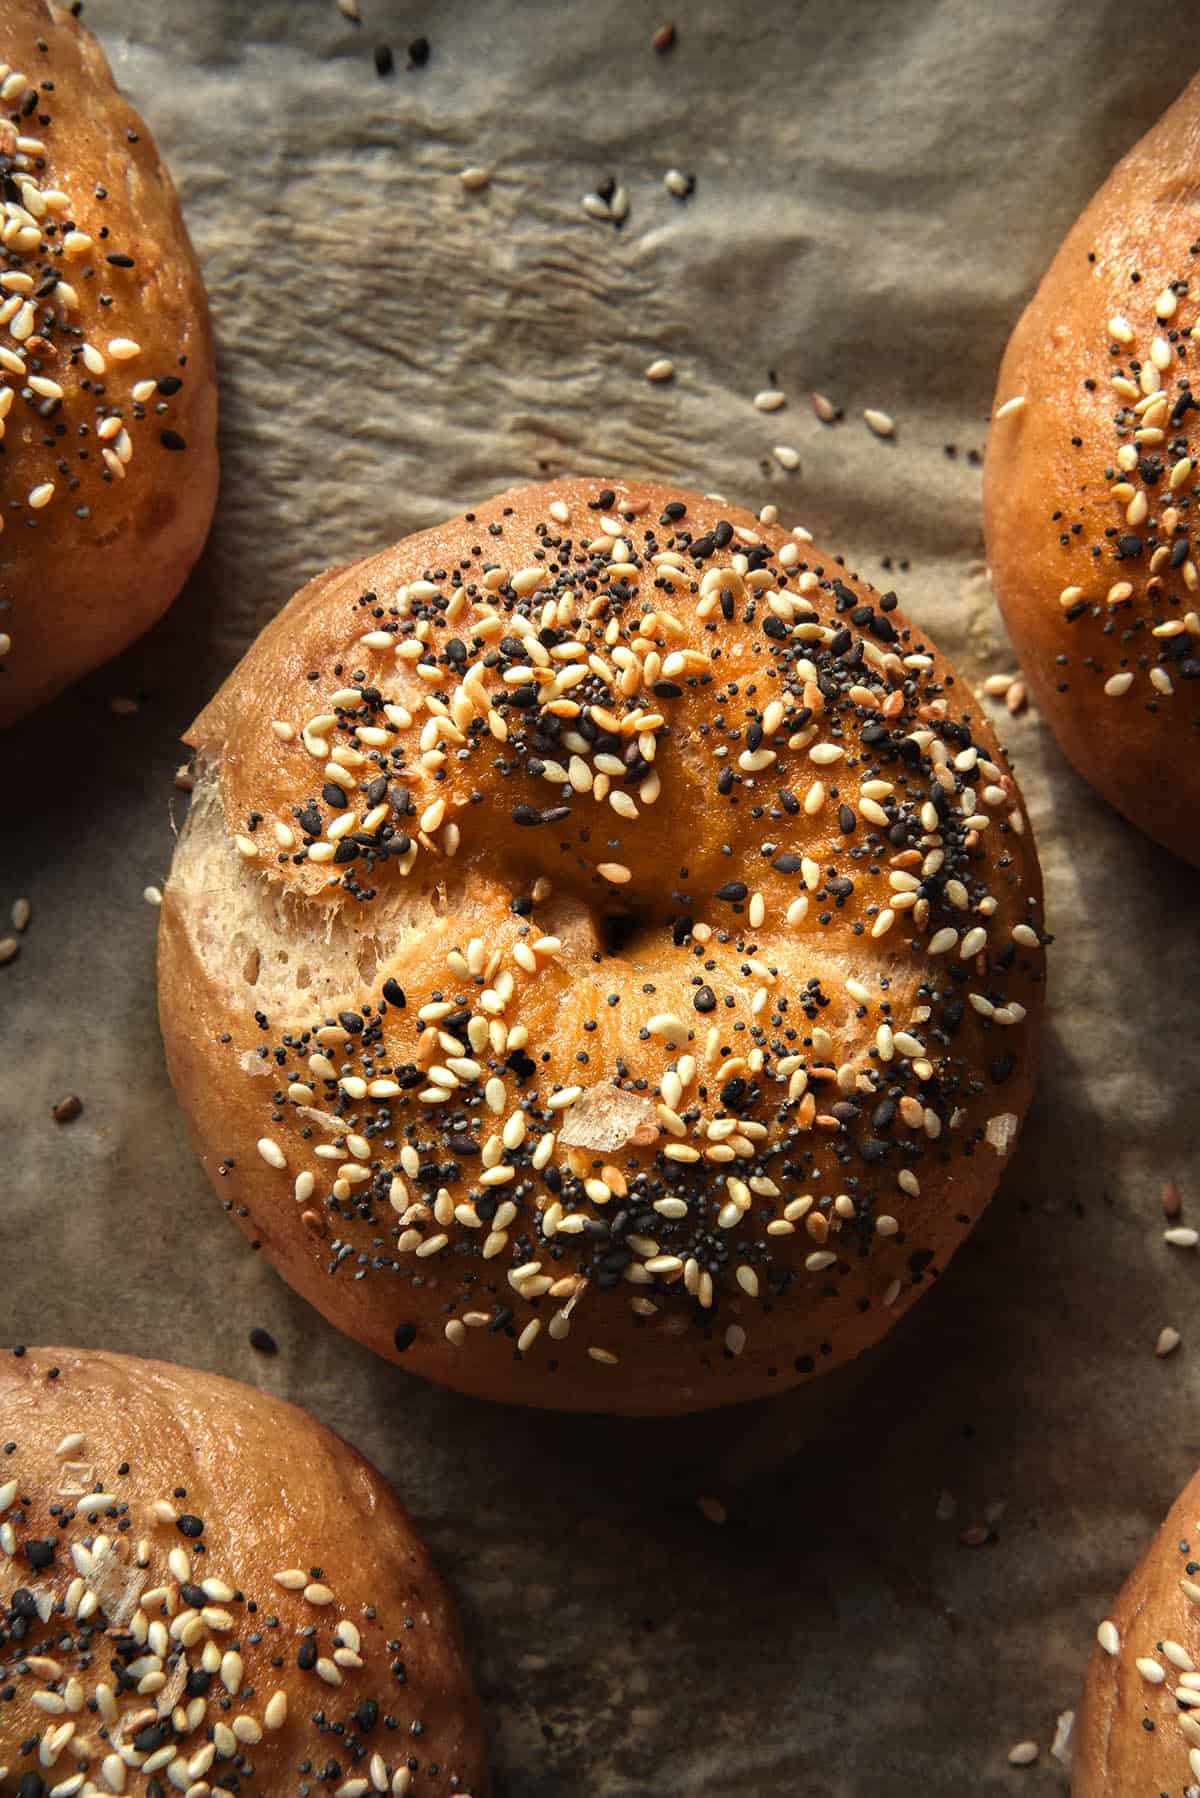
[(770, 399), (786, 456), (1023, 1754), (881, 423), (271, 1152), (661, 370), (1108, 1637)]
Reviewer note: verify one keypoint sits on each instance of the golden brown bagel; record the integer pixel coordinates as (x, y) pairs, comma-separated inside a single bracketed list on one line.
[(107, 382), (1090, 490), (203, 1589), (657, 1062), (1145, 1664)]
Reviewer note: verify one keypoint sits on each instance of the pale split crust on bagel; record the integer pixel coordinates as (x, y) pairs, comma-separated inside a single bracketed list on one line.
[(661, 1047), (203, 1590), (1138, 1727), (1090, 486), (108, 405)]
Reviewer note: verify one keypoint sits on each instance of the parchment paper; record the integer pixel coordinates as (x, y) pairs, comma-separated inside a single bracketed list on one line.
[(878, 188)]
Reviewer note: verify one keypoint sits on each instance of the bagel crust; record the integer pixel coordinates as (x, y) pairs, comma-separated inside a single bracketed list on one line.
[(1090, 487), (603, 964), (1137, 1729), (108, 406), (204, 1590)]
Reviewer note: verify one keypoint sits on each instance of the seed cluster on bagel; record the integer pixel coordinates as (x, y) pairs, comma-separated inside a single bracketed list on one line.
[(1138, 1727), (179, 1612), (683, 949), (107, 393), (1090, 487), (1139, 581)]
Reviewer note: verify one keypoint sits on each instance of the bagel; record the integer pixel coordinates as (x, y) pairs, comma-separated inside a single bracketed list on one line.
[(203, 1590), (108, 406), (1137, 1729), (603, 962), (1090, 487)]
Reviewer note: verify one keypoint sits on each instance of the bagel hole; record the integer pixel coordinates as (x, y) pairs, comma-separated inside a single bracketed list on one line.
[(617, 931)]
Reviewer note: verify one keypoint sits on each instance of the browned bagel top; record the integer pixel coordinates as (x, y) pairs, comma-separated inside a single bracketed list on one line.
[(1138, 1728), (732, 934), (201, 1588), (107, 397), (1090, 484)]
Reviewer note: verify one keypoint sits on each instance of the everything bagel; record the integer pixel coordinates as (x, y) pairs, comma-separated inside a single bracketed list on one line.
[(108, 398), (603, 963), (1090, 486)]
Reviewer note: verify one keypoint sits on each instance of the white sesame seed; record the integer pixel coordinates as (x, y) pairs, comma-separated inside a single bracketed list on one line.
[(786, 456), (1168, 1341), (123, 349), (881, 423), (1108, 1637), (1009, 407), (152, 895), (663, 369), (271, 1152), (1182, 1237), (1150, 1670), (1118, 684), (1023, 1754), (41, 495), (475, 179), (770, 399)]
